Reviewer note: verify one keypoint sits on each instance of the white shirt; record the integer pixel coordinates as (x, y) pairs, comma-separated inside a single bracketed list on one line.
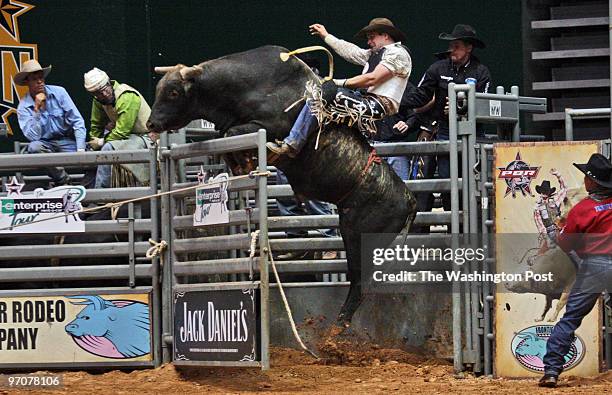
[(395, 58)]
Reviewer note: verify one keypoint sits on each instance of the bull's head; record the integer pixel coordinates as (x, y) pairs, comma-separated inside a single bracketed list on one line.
[(92, 320), (174, 105)]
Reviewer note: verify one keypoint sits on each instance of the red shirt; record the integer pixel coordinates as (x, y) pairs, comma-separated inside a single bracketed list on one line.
[(594, 218)]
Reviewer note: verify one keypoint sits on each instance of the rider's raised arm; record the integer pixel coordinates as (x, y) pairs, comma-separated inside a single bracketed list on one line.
[(348, 51)]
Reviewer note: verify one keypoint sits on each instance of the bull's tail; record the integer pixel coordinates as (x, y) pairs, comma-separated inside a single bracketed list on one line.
[(286, 55)]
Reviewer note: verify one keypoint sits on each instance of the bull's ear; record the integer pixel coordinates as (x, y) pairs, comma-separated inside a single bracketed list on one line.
[(188, 73)]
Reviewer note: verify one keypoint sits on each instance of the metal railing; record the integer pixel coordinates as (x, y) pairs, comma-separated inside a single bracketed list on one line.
[(138, 275)]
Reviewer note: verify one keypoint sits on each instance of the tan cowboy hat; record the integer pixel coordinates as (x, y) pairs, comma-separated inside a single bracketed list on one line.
[(381, 25), (31, 66)]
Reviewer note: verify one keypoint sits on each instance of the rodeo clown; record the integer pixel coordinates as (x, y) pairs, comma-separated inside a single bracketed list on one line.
[(387, 66), (547, 211), (588, 231)]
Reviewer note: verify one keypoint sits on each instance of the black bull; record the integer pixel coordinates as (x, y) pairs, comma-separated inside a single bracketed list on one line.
[(244, 92)]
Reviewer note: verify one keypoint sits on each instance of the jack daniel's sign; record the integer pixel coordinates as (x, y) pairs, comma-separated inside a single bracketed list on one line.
[(216, 325)]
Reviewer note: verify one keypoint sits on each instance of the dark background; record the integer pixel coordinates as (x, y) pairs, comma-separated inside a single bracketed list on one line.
[(127, 38)]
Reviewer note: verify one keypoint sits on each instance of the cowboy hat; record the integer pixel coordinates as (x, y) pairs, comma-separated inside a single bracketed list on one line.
[(545, 189), (464, 33), (381, 25), (29, 67), (598, 169)]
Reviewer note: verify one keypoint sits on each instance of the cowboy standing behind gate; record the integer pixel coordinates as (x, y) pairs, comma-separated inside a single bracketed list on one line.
[(547, 211)]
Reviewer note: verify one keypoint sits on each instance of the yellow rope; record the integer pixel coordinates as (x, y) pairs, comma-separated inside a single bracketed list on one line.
[(286, 55)]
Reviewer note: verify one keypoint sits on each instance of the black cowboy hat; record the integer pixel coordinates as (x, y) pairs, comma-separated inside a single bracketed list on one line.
[(545, 189), (598, 169), (381, 25), (464, 33)]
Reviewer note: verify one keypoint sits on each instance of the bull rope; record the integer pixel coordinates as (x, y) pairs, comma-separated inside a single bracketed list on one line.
[(285, 57)]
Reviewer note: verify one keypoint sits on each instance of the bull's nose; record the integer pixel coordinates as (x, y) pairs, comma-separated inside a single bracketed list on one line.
[(71, 327)]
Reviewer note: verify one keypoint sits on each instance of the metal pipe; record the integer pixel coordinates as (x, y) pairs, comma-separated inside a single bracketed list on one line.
[(500, 129), (166, 274), (456, 299), (132, 255), (569, 125), (465, 191), (484, 198), (516, 132), (473, 218), (262, 203), (155, 283)]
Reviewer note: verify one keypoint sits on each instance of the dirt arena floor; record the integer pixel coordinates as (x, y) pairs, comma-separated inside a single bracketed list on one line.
[(366, 370)]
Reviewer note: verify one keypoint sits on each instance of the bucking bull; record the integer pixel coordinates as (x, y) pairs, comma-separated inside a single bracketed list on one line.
[(244, 92)]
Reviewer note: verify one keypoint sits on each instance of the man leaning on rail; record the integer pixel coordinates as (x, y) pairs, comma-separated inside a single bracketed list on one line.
[(119, 115), (48, 117)]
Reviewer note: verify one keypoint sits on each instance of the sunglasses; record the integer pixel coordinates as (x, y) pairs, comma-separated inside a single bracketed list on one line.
[(103, 92)]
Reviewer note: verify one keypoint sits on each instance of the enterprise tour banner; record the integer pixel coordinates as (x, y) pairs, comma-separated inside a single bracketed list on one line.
[(42, 211), (535, 186)]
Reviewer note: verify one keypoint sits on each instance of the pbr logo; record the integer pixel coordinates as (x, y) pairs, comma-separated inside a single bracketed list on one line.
[(529, 347), (518, 175)]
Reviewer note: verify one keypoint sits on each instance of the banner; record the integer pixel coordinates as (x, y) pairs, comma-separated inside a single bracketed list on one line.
[(44, 211), (216, 325), (211, 202), (75, 329), (535, 187)]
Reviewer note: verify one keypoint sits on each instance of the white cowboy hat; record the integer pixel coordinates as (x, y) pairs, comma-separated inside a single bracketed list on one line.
[(29, 67)]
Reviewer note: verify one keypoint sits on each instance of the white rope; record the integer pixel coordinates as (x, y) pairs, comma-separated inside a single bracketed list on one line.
[(287, 308), (157, 248)]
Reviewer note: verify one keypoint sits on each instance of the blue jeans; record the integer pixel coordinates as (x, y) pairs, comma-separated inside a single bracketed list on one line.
[(290, 206), (301, 129), (593, 277), (103, 175), (57, 174)]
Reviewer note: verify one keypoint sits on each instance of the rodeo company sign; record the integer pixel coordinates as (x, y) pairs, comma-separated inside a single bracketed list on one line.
[(216, 326), (69, 329), (44, 211)]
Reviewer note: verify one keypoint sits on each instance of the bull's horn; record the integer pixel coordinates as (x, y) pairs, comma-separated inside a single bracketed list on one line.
[(190, 72), (97, 302), (164, 69)]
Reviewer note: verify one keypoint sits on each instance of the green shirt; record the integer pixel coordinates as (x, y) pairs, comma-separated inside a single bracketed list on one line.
[(127, 106)]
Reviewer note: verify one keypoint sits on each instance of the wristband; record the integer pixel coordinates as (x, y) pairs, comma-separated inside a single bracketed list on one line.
[(340, 82)]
